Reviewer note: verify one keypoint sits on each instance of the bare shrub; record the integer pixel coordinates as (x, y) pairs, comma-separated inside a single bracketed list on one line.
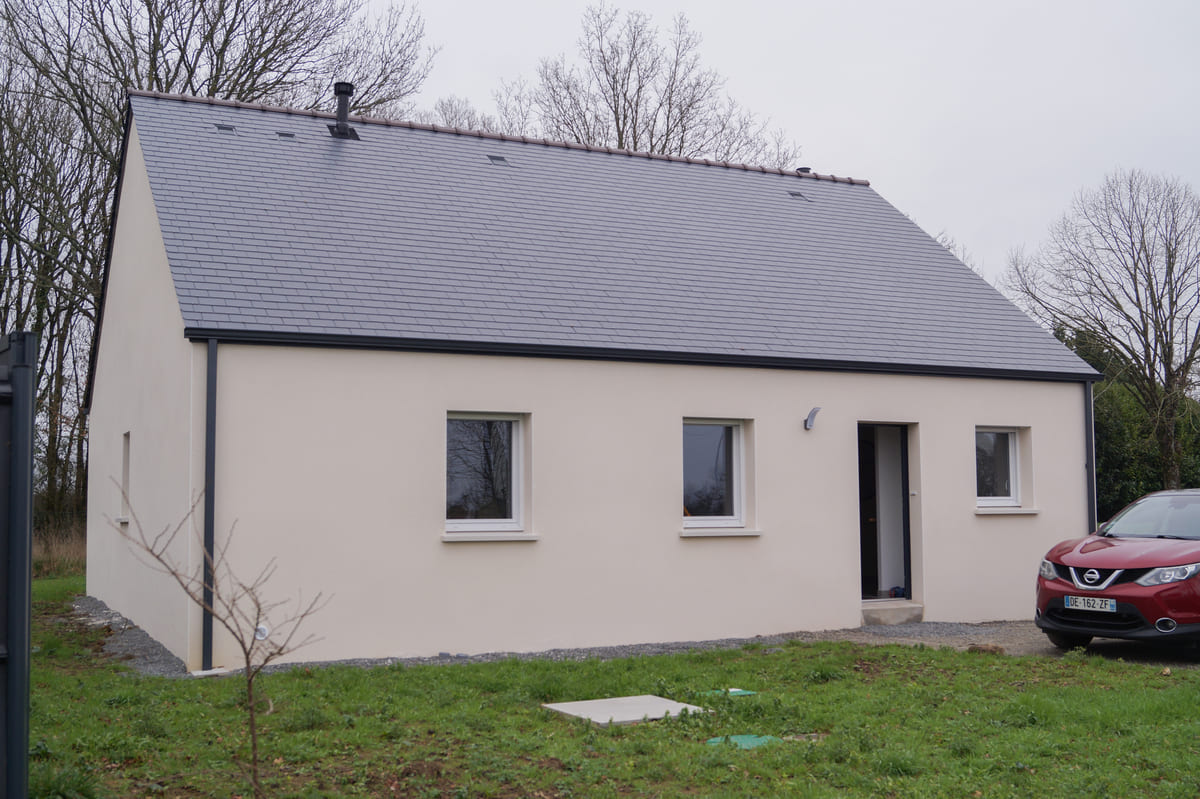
[(264, 630), (60, 550)]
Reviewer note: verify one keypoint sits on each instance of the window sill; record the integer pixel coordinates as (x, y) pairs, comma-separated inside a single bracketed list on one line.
[(464, 538), (718, 532), (1001, 510)]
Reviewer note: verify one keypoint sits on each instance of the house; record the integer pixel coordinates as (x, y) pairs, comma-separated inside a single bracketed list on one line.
[(502, 394)]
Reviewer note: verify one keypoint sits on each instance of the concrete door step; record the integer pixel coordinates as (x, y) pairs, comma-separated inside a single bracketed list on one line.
[(891, 611)]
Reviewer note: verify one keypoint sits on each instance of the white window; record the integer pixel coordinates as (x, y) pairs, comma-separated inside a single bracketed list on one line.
[(713, 469), (996, 467), (483, 472), (123, 519)]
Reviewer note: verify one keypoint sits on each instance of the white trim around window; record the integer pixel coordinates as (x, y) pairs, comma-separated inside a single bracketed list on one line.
[(714, 473), (485, 476), (997, 467)]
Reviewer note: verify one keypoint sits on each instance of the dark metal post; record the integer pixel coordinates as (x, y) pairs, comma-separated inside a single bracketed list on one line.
[(18, 356)]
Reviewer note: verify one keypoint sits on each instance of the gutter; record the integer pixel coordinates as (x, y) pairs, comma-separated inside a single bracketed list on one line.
[(1089, 437), (518, 349)]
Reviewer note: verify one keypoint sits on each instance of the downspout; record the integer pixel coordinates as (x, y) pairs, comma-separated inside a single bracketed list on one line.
[(210, 475), (1089, 436)]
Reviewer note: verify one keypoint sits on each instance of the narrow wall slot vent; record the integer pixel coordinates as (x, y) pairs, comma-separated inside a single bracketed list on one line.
[(799, 195), (285, 136), (499, 160), (226, 128)]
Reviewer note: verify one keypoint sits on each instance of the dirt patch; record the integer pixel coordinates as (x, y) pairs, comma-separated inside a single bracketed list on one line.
[(1007, 638), (423, 769), (1000, 637)]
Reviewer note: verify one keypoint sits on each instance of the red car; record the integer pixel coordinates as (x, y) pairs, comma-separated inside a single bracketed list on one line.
[(1137, 577)]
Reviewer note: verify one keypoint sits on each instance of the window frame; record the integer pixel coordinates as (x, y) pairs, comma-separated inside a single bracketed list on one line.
[(126, 512), (1013, 498), (738, 478), (515, 522)]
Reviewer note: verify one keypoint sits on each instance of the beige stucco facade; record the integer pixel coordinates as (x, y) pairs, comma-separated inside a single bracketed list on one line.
[(332, 462), (144, 386)]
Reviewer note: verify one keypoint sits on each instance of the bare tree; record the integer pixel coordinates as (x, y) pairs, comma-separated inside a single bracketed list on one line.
[(457, 112), (1122, 268), (66, 65), (276, 51), (50, 204), (632, 90), (958, 250), (264, 630)]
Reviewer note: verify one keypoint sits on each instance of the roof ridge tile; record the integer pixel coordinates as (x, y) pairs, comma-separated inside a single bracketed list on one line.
[(365, 120)]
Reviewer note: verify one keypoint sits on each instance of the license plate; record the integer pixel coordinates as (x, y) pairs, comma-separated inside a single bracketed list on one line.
[(1091, 603)]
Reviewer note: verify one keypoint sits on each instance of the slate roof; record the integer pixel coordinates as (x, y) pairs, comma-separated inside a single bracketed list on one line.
[(417, 237)]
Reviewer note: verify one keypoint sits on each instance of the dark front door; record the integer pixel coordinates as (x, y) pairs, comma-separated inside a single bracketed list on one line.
[(883, 510)]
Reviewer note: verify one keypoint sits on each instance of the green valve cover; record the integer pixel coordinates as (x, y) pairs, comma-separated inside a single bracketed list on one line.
[(743, 741)]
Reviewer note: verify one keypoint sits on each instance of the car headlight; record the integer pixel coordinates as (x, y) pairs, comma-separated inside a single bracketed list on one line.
[(1169, 574), (1046, 571)]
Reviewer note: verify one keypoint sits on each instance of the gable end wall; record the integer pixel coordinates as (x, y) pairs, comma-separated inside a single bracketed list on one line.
[(143, 386)]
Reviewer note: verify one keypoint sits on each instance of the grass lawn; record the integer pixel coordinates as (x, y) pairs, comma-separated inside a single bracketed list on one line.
[(889, 722)]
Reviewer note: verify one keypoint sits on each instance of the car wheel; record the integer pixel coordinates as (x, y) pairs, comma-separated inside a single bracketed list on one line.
[(1068, 640)]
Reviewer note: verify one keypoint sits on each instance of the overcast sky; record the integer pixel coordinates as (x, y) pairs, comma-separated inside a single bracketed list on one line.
[(982, 120)]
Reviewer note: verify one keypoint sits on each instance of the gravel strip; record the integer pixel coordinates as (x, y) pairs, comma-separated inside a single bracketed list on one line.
[(128, 642), (133, 646)]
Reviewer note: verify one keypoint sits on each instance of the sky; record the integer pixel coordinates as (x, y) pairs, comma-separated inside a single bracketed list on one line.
[(980, 120)]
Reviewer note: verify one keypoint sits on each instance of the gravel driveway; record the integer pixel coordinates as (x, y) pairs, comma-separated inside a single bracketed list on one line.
[(131, 644)]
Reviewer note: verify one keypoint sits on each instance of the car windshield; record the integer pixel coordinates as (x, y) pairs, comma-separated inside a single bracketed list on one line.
[(1163, 516)]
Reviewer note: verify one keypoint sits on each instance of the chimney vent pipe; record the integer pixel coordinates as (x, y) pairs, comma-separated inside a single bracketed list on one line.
[(343, 91)]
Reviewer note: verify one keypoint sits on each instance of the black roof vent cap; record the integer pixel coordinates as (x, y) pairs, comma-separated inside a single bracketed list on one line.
[(342, 130)]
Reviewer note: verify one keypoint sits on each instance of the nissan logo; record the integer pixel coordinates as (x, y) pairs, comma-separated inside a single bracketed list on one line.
[(1091, 577)]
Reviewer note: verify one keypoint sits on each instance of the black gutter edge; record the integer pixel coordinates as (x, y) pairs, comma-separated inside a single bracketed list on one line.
[(210, 478), (1089, 422), (108, 252), (289, 339)]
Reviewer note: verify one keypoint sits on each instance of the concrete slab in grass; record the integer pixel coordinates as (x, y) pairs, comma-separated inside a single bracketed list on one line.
[(623, 709)]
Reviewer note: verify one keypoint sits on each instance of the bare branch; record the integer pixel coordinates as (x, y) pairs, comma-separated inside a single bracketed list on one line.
[(1123, 268), (457, 112), (263, 630), (629, 89), (66, 67)]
